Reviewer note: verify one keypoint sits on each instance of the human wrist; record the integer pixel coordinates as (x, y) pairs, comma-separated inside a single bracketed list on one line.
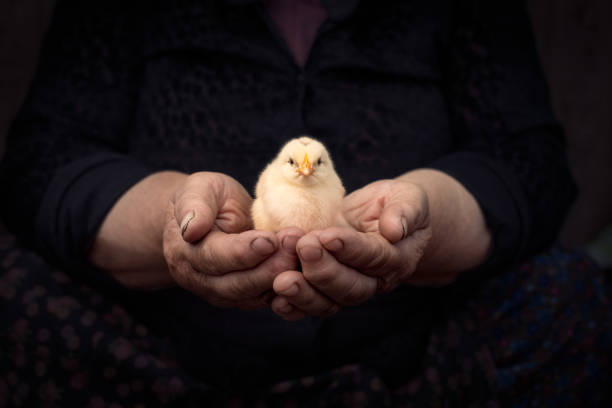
[(460, 237), (128, 244)]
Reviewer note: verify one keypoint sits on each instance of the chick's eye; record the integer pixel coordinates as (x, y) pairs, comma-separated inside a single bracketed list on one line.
[(291, 162), (319, 162)]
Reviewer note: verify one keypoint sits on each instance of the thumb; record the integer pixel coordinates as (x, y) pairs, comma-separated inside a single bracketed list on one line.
[(403, 214), (195, 212), (196, 206)]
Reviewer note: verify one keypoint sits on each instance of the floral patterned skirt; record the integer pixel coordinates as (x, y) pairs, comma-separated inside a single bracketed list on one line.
[(535, 335)]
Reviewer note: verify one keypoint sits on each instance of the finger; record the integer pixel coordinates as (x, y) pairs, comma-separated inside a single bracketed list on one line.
[(373, 255), (219, 253), (195, 211), (288, 237), (212, 199), (281, 306), (340, 283), (370, 253), (292, 286), (403, 212), (248, 287), (180, 258)]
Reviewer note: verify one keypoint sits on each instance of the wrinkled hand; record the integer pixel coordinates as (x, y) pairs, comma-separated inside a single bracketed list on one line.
[(210, 249), (346, 266)]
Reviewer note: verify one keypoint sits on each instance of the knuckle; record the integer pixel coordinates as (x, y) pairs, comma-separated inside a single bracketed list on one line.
[(210, 260), (177, 265), (359, 224), (242, 256), (193, 281), (170, 246), (266, 275), (356, 293), (187, 199), (320, 276), (199, 178), (279, 265), (253, 284), (236, 289), (170, 255), (198, 281), (380, 260)]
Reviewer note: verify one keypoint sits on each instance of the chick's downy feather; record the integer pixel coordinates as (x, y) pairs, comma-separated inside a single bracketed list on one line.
[(299, 188)]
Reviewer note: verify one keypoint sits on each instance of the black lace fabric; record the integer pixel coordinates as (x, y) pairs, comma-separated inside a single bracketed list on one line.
[(124, 91), (500, 109), (127, 90)]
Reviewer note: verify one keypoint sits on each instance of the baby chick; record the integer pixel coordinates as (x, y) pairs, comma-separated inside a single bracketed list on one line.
[(299, 188)]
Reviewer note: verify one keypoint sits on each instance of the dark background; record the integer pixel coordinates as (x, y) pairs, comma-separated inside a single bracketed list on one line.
[(574, 38)]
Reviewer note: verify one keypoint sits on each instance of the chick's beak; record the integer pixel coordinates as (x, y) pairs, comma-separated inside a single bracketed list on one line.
[(305, 168)]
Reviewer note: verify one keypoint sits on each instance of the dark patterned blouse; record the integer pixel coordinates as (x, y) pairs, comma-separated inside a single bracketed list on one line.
[(124, 90)]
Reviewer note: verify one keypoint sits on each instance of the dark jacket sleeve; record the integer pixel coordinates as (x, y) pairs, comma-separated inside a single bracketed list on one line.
[(510, 151), (66, 160)]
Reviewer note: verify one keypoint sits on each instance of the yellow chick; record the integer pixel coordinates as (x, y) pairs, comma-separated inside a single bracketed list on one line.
[(299, 188)]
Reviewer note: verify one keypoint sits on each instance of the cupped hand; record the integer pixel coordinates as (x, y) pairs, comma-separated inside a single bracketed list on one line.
[(210, 249), (390, 230)]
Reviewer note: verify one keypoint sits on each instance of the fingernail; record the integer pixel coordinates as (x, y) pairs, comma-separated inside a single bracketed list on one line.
[(404, 228), (185, 223), (310, 253), (291, 290), (335, 245), (289, 243), (262, 245)]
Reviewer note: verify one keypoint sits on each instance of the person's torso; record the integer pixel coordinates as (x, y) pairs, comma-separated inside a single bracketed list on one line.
[(222, 92)]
